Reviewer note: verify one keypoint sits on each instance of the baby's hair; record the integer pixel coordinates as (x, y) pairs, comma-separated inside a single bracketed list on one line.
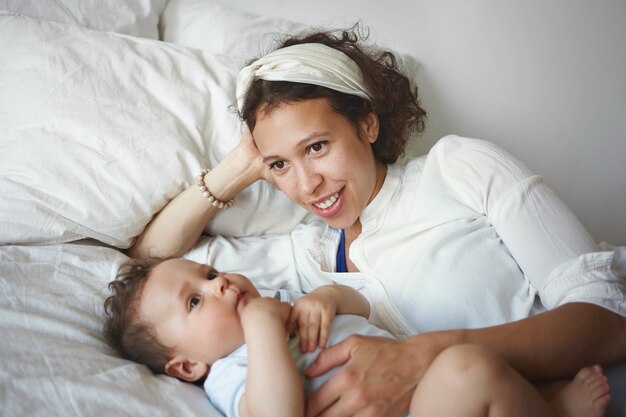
[(130, 336), (393, 99)]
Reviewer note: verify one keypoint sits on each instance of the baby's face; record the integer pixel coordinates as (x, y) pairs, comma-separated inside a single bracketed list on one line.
[(195, 309)]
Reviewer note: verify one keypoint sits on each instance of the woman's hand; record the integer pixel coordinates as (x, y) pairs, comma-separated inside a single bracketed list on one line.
[(247, 155), (378, 376), (313, 314)]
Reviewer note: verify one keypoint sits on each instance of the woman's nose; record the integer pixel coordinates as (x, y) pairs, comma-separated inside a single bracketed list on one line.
[(308, 179)]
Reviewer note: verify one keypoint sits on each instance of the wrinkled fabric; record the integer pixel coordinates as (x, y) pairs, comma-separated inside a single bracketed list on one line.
[(310, 63)]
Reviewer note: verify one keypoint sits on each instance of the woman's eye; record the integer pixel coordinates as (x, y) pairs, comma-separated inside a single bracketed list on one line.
[(193, 302), (317, 147), (277, 165)]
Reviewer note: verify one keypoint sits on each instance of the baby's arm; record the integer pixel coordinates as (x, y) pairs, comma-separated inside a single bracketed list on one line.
[(263, 321), (315, 311)]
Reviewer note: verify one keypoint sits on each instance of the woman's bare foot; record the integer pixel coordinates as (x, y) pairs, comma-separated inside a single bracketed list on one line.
[(587, 395)]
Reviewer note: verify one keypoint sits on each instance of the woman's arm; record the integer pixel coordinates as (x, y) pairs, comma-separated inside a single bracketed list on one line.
[(269, 359), (556, 344), (176, 228), (380, 375)]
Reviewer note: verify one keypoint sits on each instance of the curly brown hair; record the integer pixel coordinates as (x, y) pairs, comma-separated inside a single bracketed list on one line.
[(130, 336), (393, 99)]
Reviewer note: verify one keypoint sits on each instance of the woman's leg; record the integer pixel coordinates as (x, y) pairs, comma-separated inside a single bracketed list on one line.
[(470, 381)]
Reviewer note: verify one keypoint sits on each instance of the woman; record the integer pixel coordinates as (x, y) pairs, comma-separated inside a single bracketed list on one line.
[(466, 246)]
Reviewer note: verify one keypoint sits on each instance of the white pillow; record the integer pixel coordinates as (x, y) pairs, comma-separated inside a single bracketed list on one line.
[(213, 27), (98, 131), (131, 17)]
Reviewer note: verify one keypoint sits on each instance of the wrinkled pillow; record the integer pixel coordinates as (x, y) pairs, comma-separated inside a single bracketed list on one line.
[(98, 131), (213, 27), (131, 17)]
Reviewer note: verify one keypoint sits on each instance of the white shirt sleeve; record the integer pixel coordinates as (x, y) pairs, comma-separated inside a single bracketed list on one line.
[(596, 277), (541, 233)]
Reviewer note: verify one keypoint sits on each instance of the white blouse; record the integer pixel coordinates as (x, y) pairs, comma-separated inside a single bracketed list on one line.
[(466, 237)]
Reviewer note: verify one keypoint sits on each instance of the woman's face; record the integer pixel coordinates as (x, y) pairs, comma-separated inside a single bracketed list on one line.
[(320, 160)]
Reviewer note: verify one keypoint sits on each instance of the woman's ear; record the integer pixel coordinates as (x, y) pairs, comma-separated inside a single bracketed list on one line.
[(370, 126), (185, 369)]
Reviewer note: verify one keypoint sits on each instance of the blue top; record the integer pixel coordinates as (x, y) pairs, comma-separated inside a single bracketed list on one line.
[(342, 266)]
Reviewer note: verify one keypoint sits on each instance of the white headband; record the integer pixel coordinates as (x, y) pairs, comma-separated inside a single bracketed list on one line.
[(308, 63)]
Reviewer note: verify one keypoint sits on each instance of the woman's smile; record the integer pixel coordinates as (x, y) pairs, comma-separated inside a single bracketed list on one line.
[(328, 206)]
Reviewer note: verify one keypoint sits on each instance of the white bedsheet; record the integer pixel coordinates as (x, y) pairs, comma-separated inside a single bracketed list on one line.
[(54, 361)]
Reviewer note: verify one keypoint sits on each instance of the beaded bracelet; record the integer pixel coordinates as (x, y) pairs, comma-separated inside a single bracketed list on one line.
[(205, 192)]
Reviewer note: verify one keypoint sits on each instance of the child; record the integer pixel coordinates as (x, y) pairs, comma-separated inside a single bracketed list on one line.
[(189, 321)]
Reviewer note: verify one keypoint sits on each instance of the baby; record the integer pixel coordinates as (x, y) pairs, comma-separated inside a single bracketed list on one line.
[(192, 322)]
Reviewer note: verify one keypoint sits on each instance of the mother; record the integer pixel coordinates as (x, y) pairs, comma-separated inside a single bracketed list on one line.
[(467, 238)]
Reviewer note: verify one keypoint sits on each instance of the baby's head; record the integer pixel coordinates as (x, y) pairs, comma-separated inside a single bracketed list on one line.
[(176, 316)]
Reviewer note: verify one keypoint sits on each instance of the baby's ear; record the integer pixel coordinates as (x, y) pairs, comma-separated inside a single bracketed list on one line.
[(186, 369)]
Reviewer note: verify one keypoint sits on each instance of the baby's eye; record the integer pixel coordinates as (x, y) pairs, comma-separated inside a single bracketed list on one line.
[(193, 302), (212, 275)]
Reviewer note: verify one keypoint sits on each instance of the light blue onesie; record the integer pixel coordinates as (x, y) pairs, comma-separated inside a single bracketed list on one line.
[(225, 383)]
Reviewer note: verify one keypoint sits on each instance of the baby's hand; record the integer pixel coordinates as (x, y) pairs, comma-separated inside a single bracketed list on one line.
[(313, 313), (262, 308)]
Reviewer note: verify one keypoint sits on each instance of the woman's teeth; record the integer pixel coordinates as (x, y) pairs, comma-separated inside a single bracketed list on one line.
[(329, 202)]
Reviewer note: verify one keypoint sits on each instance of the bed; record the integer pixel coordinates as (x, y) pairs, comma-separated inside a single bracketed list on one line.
[(107, 110)]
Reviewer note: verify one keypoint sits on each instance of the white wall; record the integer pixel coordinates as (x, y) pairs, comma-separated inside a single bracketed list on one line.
[(545, 79)]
